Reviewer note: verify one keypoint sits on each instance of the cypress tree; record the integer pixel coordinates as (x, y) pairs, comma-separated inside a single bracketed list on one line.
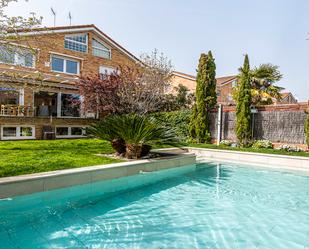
[(206, 99), (243, 113)]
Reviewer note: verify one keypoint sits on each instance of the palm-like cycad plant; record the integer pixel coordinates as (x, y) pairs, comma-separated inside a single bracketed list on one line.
[(138, 132), (105, 129)]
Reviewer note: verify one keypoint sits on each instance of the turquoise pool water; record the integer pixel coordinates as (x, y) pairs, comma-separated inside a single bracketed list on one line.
[(204, 206)]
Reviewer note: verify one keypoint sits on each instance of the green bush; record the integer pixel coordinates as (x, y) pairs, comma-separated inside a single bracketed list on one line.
[(137, 132), (258, 144), (178, 120)]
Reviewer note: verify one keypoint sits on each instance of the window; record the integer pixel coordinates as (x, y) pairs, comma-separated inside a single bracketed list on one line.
[(64, 65), (26, 132), (9, 96), (45, 103), (100, 50), (76, 131), (107, 71), (17, 132), (62, 131), (16, 56), (70, 105), (234, 83), (68, 131), (76, 42)]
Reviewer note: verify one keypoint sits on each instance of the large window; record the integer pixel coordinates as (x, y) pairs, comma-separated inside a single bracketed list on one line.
[(64, 65), (68, 131), (17, 132), (9, 96), (100, 50), (70, 105), (16, 56), (76, 42), (45, 103)]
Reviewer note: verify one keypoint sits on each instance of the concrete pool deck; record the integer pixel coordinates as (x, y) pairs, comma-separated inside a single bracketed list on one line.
[(176, 157), (40, 182), (296, 163)]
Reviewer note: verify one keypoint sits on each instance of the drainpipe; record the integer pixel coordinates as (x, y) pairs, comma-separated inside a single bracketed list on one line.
[(219, 124)]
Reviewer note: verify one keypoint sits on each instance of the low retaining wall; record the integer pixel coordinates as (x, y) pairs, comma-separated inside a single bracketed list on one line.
[(28, 184), (259, 159)]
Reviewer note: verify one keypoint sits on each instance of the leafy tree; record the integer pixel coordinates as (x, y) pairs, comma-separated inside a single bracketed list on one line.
[(9, 25), (244, 100), (206, 99), (307, 125), (130, 89), (263, 79), (183, 98)]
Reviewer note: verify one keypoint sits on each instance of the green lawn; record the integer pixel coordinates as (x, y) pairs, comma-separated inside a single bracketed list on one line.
[(267, 151), (26, 157)]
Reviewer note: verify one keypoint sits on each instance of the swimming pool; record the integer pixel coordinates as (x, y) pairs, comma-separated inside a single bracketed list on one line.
[(205, 206)]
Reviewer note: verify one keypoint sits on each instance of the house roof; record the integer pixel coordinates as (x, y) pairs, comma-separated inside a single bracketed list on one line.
[(77, 28), (220, 80), (285, 94)]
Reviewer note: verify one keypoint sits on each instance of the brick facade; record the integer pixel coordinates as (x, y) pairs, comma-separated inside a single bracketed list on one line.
[(224, 86), (46, 42)]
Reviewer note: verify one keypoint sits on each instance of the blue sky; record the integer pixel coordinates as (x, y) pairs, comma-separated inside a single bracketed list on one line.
[(270, 31)]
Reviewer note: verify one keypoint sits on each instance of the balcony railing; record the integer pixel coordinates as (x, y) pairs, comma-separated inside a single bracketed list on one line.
[(17, 111), (29, 111)]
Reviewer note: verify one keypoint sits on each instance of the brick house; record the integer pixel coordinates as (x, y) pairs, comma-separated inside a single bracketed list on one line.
[(286, 98), (224, 85), (38, 92), (224, 88)]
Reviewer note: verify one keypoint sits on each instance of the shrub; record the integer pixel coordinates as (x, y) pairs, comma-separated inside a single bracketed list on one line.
[(177, 120), (262, 144), (290, 148), (226, 143), (138, 132)]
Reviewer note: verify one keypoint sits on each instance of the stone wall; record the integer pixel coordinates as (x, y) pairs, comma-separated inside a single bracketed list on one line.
[(281, 124)]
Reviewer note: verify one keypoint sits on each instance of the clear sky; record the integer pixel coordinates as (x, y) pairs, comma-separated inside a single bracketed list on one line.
[(270, 31)]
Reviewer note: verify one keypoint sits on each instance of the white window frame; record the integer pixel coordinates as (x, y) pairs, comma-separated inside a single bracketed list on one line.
[(80, 43), (102, 49), (21, 98), (70, 131), (65, 59), (109, 70), (16, 58), (18, 136)]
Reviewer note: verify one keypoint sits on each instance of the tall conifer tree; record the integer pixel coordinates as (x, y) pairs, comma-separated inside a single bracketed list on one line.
[(243, 112), (307, 126), (206, 99)]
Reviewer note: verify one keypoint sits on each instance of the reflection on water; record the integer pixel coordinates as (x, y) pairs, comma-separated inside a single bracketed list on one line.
[(207, 206)]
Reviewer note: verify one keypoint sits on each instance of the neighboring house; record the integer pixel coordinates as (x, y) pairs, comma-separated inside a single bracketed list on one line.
[(224, 86), (38, 92), (286, 98)]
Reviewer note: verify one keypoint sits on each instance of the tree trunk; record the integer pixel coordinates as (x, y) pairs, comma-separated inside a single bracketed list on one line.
[(119, 146), (133, 151)]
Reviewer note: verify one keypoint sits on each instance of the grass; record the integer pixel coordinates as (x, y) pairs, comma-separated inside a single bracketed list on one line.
[(26, 157), (266, 151)]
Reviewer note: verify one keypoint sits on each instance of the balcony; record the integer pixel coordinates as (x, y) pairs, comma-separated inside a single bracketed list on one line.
[(17, 111)]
